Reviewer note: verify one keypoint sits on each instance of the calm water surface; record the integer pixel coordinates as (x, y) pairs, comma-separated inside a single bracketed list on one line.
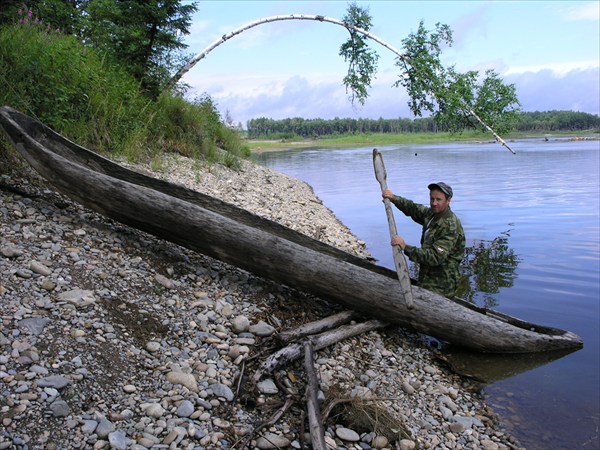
[(536, 214)]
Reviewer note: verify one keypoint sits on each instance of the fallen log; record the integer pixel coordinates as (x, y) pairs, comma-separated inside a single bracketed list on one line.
[(222, 231)]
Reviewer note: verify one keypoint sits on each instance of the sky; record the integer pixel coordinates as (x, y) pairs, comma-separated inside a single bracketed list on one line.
[(550, 51)]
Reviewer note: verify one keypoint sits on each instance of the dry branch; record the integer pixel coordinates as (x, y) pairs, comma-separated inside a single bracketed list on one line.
[(315, 327), (273, 420), (317, 433), (320, 341)]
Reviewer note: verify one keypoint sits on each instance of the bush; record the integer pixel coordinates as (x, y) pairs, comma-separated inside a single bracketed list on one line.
[(93, 101)]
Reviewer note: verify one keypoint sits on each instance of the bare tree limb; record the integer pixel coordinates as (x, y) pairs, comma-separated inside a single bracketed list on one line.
[(181, 72), (192, 62), (320, 341), (317, 432), (487, 127), (285, 337)]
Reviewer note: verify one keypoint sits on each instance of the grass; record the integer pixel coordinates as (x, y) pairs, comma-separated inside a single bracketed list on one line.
[(91, 99)]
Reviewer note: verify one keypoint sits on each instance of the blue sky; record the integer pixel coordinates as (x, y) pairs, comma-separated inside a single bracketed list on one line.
[(549, 49)]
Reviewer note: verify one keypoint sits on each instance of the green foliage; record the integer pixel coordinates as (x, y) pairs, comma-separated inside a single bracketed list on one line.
[(194, 129), (557, 121), (145, 35), (452, 98), (95, 102), (362, 61), (299, 128), (423, 72), (54, 78)]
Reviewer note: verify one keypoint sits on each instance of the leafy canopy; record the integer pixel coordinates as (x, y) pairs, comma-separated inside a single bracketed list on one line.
[(455, 100), (362, 61)]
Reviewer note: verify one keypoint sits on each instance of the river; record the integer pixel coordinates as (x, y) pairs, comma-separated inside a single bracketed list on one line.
[(532, 223)]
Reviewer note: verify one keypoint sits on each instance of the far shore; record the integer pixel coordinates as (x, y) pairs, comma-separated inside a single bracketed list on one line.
[(258, 146)]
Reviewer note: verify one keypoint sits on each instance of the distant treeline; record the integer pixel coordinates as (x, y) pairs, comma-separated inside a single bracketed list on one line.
[(548, 121)]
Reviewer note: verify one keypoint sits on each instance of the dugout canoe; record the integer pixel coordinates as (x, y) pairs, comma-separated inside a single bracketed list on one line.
[(223, 231)]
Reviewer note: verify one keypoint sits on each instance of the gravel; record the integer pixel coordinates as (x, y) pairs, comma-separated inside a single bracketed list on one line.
[(113, 339)]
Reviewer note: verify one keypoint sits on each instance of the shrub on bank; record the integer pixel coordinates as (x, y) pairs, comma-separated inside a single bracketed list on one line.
[(91, 99)]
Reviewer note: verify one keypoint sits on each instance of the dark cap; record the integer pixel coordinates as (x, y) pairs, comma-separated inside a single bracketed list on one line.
[(442, 187)]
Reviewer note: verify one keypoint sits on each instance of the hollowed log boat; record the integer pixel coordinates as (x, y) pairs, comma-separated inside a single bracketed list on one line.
[(233, 235)]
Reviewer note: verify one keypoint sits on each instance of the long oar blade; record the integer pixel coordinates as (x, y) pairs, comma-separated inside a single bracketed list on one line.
[(399, 259)]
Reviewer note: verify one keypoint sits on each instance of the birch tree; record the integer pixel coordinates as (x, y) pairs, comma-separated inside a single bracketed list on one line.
[(458, 100)]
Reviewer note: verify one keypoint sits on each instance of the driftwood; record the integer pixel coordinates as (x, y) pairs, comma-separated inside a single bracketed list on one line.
[(315, 327), (295, 350), (222, 231), (317, 432)]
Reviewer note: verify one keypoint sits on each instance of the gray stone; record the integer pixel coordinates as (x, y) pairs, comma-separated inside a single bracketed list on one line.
[(54, 381), (262, 329), (35, 325), (39, 268), (346, 434), (78, 297), (89, 426), (221, 390), (267, 386), (104, 428), (185, 409), (240, 324), (60, 408), (185, 379), (118, 440), (272, 441)]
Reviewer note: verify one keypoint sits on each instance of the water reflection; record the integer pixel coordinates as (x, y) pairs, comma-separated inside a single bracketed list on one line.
[(487, 267), (546, 196), (489, 368)]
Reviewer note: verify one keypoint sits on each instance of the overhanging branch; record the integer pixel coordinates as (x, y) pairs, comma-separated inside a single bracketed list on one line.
[(181, 72)]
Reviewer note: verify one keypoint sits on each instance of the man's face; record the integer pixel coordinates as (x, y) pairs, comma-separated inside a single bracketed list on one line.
[(438, 201)]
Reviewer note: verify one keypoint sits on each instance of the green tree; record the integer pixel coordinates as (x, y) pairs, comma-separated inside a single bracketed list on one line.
[(362, 60), (53, 15), (146, 35), (455, 100)]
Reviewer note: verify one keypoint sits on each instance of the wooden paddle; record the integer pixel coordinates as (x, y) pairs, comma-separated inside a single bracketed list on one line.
[(399, 260)]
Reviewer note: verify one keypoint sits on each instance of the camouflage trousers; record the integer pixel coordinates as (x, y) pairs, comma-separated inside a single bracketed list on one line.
[(441, 279)]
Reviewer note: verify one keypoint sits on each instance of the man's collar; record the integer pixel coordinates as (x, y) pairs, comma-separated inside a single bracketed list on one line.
[(444, 215)]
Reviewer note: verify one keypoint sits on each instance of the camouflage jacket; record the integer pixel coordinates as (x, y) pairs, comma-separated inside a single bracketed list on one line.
[(442, 247)]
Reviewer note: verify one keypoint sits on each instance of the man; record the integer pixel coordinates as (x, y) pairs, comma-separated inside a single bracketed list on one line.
[(442, 241)]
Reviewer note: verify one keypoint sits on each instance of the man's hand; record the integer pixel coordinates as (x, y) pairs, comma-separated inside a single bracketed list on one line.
[(399, 241), (386, 193)]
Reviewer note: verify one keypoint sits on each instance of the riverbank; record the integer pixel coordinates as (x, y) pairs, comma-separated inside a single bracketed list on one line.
[(114, 339), (258, 146)]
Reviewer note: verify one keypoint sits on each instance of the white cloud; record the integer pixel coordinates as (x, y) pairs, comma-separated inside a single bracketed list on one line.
[(578, 90), (297, 96), (325, 97), (559, 68), (588, 11)]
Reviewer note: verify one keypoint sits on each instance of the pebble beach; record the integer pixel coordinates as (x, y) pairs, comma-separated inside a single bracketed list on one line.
[(113, 339)]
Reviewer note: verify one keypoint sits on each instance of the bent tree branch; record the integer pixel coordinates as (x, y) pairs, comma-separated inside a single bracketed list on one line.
[(452, 94), (181, 72)]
